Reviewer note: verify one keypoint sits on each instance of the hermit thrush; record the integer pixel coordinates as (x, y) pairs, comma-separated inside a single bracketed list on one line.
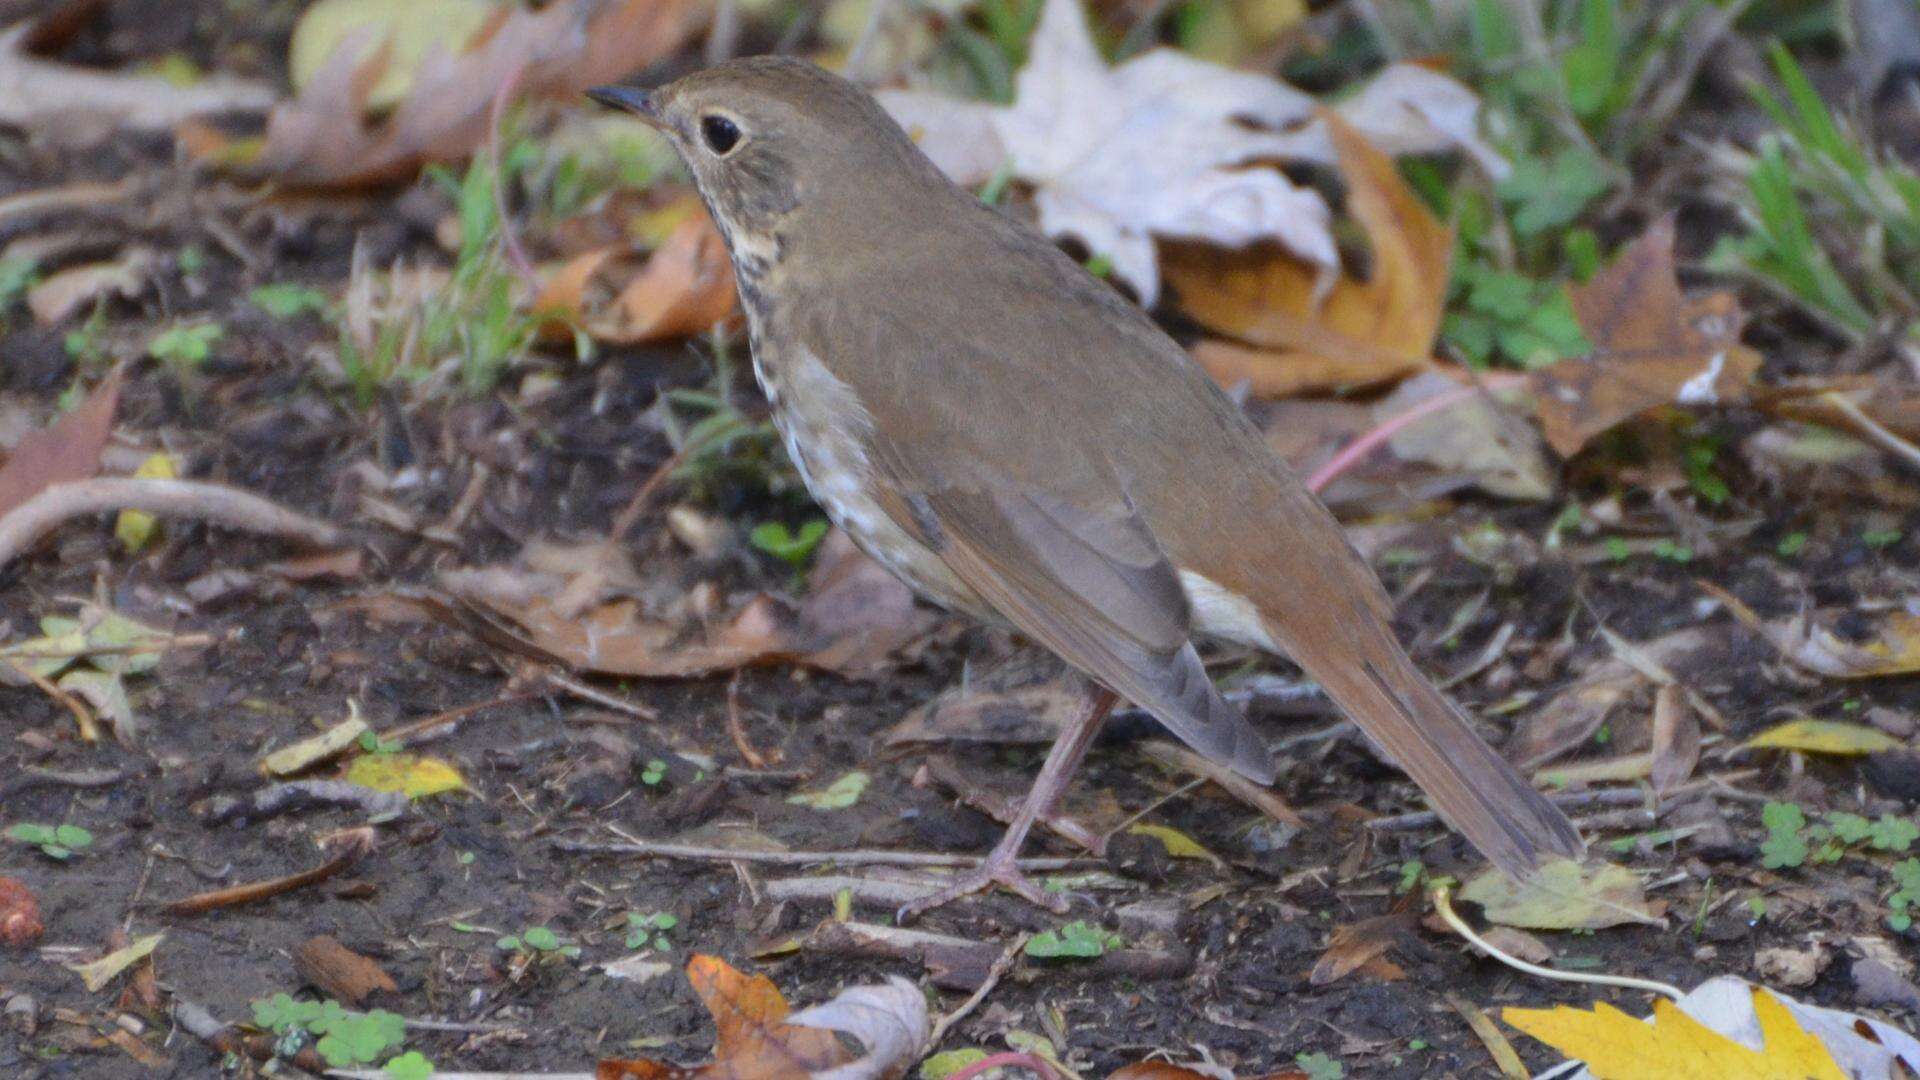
[(1016, 441)]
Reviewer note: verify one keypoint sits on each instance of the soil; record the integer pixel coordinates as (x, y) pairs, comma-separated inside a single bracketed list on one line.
[(1230, 978)]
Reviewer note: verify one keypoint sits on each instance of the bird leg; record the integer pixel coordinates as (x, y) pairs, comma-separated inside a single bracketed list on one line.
[(1001, 866)]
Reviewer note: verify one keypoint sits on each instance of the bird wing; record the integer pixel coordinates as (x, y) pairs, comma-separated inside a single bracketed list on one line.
[(1029, 517)]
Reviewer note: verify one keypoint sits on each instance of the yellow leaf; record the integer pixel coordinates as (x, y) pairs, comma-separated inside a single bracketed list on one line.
[(1178, 844), (102, 971), (1562, 895), (335, 740), (1675, 1046), (1823, 737), (134, 528), (838, 795), (411, 32), (409, 773)]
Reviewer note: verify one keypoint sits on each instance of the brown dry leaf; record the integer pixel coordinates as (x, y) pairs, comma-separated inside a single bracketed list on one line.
[(323, 138), (853, 619), (20, 923), (1361, 331), (1652, 346), (1676, 739), (1579, 709), (69, 449), (1357, 945), (1893, 649), (562, 299), (754, 1041), (340, 971), (71, 289), (685, 288), (1028, 698), (1895, 406)]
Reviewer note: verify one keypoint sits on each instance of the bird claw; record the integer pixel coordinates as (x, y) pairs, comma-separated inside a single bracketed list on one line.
[(999, 871)]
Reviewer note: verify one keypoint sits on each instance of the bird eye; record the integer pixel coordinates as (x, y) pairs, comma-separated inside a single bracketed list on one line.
[(721, 134)]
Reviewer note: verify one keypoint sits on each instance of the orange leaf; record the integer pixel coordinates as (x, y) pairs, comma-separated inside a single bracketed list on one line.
[(684, 289), (1652, 346), (1361, 331), (560, 299), (753, 1041)]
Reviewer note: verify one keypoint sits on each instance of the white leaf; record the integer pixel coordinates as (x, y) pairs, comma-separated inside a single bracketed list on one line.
[(1169, 145), (889, 1021)]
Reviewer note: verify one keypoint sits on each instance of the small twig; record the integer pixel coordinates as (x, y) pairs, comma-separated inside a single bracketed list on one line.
[(1444, 906), (222, 505), (509, 239), (1000, 967), (877, 892), (629, 515), (1565, 800), (581, 690), (736, 729), (300, 794), (1351, 454), (260, 890), (83, 719), (1872, 429), (428, 727), (698, 853)]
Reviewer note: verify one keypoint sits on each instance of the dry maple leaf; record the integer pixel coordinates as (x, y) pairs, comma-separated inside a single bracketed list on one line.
[(1158, 145), (322, 137), (753, 1039), (1652, 346), (1360, 331)]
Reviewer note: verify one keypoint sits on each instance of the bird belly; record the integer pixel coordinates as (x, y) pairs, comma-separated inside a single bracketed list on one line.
[(822, 425), (1220, 613)]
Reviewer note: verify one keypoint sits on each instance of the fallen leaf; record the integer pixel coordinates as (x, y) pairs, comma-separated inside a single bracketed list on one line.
[(1824, 737), (36, 93), (62, 294), (1356, 945), (310, 751), (1177, 844), (67, 450), (20, 923), (684, 289), (1472, 438), (1860, 1045), (755, 1040), (412, 775), (561, 302), (889, 1021), (1156, 145), (1616, 1046), (341, 972), (135, 528), (838, 795), (1652, 346), (322, 137), (1307, 337), (1676, 739), (409, 32), (1893, 649), (1577, 711), (103, 971), (1563, 895)]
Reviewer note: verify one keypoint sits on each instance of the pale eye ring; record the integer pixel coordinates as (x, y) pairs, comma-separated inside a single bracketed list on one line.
[(719, 133)]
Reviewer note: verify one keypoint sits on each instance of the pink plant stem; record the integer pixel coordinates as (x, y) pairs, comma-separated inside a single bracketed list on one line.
[(1351, 454), (516, 254), (1009, 1060)]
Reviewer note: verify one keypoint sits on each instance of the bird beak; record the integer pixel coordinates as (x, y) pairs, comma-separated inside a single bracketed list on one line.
[(628, 99)]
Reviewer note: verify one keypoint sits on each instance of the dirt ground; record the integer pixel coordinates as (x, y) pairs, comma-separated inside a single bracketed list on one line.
[(1218, 956)]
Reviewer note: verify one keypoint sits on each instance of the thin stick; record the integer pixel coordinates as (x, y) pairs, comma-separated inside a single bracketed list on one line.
[(697, 853), (1565, 800), (736, 729), (1872, 428), (516, 255), (581, 690), (1447, 915), (218, 503), (1353, 452), (89, 730), (630, 514), (999, 969)]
